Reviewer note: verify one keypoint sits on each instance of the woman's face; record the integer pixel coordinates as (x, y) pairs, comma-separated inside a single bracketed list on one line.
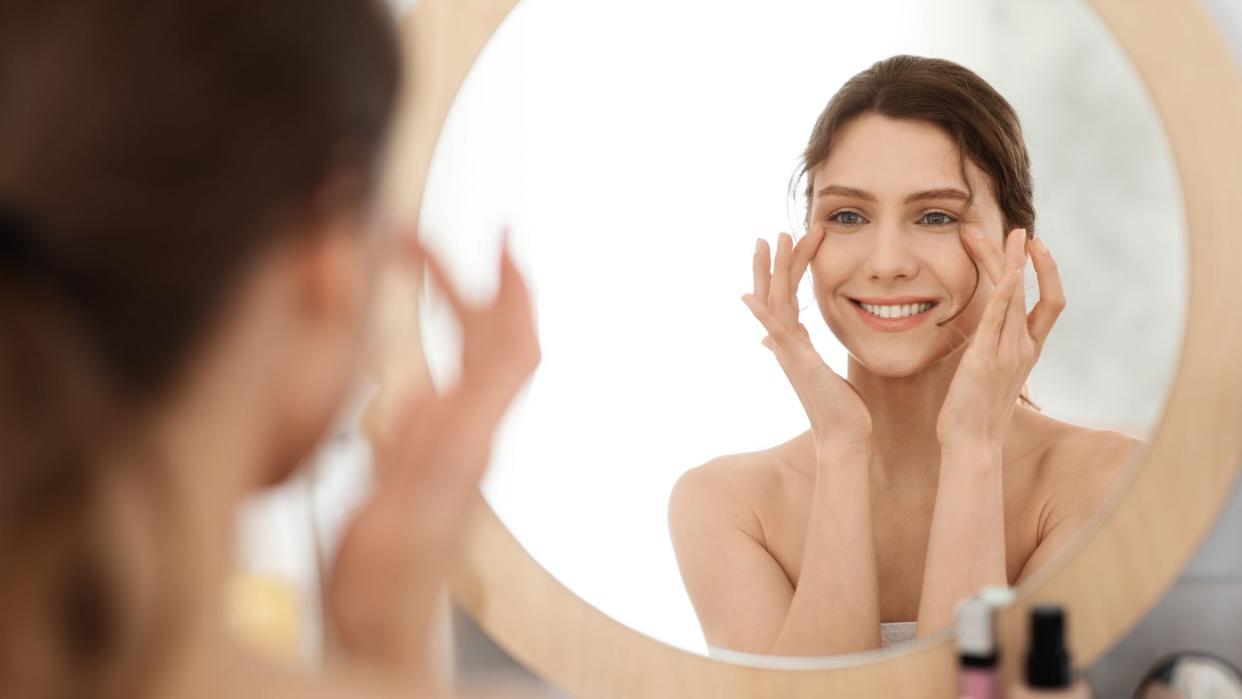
[(892, 202)]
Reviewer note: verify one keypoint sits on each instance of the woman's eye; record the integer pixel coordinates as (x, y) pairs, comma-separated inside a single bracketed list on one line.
[(937, 218), (846, 218)]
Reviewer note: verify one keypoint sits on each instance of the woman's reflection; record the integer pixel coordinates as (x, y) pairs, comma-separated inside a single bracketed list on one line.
[(926, 474)]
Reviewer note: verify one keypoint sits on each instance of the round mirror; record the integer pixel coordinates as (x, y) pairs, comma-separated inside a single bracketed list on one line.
[(637, 150)]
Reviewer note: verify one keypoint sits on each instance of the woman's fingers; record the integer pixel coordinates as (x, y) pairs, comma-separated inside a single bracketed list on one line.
[(778, 330), (1013, 252), (779, 294), (394, 467), (441, 280), (776, 282), (766, 318), (790, 335), (1015, 315), (987, 336), (500, 345), (500, 351), (1015, 249), (761, 269), (514, 305), (1051, 296), (772, 300), (790, 344), (804, 252), (980, 244), (512, 288), (512, 295), (497, 339)]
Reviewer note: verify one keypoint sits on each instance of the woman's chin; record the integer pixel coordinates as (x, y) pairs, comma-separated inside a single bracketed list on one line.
[(892, 365)]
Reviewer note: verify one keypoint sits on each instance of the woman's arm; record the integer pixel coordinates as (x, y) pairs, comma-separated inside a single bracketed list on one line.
[(967, 538), (836, 606), (385, 588), (742, 596), (966, 544)]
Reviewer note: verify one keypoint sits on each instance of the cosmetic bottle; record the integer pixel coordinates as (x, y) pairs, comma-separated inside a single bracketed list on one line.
[(976, 650), (1049, 670)]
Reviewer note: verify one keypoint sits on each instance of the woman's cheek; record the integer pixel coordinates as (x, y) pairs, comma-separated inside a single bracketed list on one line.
[(831, 307), (830, 299)]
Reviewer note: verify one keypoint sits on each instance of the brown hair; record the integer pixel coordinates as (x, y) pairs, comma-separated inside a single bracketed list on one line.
[(149, 150), (980, 121)]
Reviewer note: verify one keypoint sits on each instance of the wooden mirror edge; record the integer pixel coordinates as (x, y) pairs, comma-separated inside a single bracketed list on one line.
[(1118, 568)]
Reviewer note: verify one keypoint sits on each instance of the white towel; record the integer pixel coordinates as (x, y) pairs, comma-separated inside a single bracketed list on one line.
[(890, 634)]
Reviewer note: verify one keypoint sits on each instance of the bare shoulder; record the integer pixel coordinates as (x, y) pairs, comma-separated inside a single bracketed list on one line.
[(728, 490), (722, 486), (1082, 465), (1075, 448)]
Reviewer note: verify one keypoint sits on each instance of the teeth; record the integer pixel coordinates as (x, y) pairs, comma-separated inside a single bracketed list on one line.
[(900, 311)]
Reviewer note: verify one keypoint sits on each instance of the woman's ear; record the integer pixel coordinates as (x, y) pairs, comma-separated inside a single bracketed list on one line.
[(332, 268), (334, 258)]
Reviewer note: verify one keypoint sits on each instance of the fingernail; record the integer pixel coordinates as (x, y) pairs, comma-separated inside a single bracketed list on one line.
[(1039, 244), (758, 244)]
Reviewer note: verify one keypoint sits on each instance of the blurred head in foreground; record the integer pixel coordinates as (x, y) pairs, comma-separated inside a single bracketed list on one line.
[(184, 205)]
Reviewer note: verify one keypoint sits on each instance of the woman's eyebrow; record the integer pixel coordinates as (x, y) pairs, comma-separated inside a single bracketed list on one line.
[(941, 193), (845, 192)]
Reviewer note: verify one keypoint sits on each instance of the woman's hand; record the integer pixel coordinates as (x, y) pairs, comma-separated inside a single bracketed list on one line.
[(838, 414), (384, 588), (982, 395)]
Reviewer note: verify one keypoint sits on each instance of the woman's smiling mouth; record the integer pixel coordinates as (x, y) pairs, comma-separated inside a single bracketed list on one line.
[(894, 315)]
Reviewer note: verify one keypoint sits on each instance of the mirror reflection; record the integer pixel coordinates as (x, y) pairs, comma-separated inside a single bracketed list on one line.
[(928, 413), (1191, 676)]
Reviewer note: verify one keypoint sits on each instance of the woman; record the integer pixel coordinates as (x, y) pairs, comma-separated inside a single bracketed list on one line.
[(921, 479), (187, 266)]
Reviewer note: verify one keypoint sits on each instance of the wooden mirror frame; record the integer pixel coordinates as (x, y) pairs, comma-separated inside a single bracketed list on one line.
[(1117, 567)]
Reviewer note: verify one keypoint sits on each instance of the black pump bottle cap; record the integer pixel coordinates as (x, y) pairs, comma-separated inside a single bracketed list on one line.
[(1048, 662)]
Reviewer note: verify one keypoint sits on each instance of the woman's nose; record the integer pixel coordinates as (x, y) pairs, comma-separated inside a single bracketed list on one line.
[(891, 256)]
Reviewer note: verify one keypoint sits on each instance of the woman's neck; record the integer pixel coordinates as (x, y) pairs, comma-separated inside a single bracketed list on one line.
[(206, 445), (904, 412)]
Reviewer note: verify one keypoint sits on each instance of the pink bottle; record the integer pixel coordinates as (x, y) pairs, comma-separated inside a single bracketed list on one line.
[(976, 649)]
